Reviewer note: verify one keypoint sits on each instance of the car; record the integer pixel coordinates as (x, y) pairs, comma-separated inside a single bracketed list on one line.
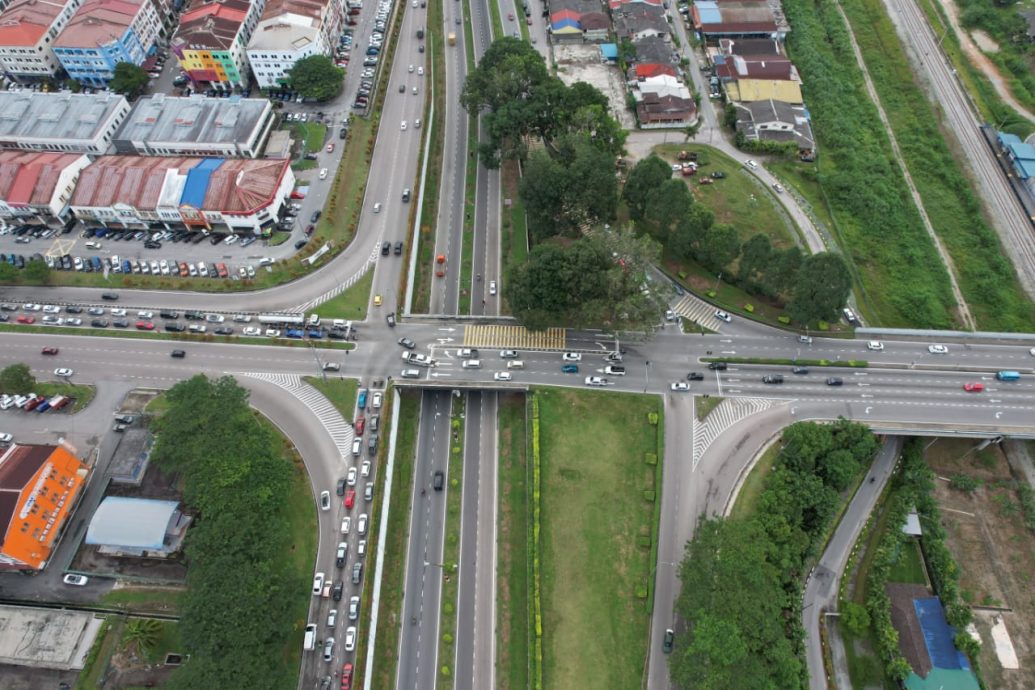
[(667, 641), (614, 370), (361, 524), (398, 249), (51, 309), (328, 649), (695, 376), (377, 208), (252, 330), (772, 378), (118, 312), (717, 366), (751, 163), (325, 500), (723, 316), (1032, 352), (420, 71), (318, 580), (110, 296), (74, 321), (63, 372), (353, 608), (974, 387), (492, 287), (6, 438), (597, 381), (330, 147), (390, 319), (377, 300), (679, 386), (407, 343), (148, 315), (341, 554), (835, 381), (386, 248), (145, 326), (99, 323), (509, 354), (403, 126), (22, 318), (316, 216), (323, 173), (346, 524), (799, 370), (502, 376), (350, 499), (215, 318), (49, 351), (350, 638), (350, 477), (875, 345), (75, 580), (938, 349), (346, 677), (365, 469), (572, 357)]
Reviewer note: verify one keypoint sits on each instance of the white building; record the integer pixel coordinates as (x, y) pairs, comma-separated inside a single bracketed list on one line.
[(27, 30), (290, 30), (67, 122), (37, 186)]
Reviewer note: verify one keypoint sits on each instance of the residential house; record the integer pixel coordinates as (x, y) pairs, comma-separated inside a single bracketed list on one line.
[(655, 111), (28, 28), (733, 67), (639, 21), (655, 50), (716, 19), (773, 120), (764, 90)]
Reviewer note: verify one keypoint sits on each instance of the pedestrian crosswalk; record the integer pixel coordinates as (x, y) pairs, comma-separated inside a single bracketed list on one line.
[(514, 337), (726, 414), (340, 430), (698, 311)]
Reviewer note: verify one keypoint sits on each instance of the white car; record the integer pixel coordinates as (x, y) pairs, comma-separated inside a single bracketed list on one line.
[(63, 372), (410, 69), (118, 312), (365, 468), (938, 349), (1032, 352), (163, 266), (346, 525), (76, 580), (572, 357), (723, 316), (492, 287), (420, 71), (377, 207), (270, 332), (325, 500), (680, 386), (596, 381), (875, 345), (614, 370), (751, 164), (145, 315), (502, 376), (350, 638), (197, 328), (231, 239), (318, 584), (375, 401), (323, 173), (403, 126), (252, 330), (51, 309), (73, 321), (350, 476), (31, 307), (215, 318), (361, 526), (6, 438)]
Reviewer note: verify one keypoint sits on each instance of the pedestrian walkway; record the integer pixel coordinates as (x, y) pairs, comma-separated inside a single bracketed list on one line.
[(698, 311), (515, 337), (726, 414), (337, 427)]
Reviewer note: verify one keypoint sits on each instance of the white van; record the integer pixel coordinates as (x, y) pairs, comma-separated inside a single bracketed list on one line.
[(515, 364), (357, 446), (309, 643), (472, 364)]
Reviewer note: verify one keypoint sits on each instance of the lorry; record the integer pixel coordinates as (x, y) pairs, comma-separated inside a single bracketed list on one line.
[(452, 38)]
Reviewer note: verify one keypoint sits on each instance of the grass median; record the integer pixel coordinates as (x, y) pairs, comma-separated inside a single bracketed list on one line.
[(451, 549), (512, 624), (340, 391), (598, 522)]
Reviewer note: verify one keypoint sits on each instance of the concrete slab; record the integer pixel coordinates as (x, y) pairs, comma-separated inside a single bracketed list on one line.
[(1003, 645), (46, 638)]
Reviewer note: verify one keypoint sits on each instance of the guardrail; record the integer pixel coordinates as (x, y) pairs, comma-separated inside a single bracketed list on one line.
[(947, 336)]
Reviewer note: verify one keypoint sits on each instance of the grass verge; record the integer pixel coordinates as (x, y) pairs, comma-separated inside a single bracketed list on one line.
[(703, 406), (466, 258), (311, 134), (339, 390), (451, 548), (350, 304), (512, 624), (386, 653), (513, 225), (598, 505), (82, 393), (144, 599), (754, 482), (100, 654)]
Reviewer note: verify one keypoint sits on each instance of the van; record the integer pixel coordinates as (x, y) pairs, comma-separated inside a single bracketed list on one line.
[(309, 642), (515, 364), (472, 364), (357, 446), (411, 373), (1007, 375)]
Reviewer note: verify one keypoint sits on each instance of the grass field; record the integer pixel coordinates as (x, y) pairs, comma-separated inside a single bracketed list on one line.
[(311, 133), (754, 482), (908, 568), (350, 304), (596, 532), (341, 392), (144, 599), (704, 406), (512, 624)]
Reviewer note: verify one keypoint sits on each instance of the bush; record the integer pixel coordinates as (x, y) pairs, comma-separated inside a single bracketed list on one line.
[(650, 458), (749, 308), (711, 293), (652, 418), (447, 638), (823, 326), (682, 275), (784, 319), (963, 482), (641, 591), (649, 495)]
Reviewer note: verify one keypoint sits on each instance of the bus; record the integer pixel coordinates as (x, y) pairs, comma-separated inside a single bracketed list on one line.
[(1008, 375), (283, 320)]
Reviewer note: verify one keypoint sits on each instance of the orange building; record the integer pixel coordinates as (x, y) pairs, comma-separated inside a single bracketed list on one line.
[(39, 486)]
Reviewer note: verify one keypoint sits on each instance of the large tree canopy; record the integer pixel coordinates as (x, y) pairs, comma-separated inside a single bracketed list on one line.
[(821, 288), (128, 79), (316, 78)]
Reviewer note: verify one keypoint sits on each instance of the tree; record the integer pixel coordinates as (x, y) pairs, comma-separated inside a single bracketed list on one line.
[(646, 175), (755, 257), (667, 204), (718, 247), (37, 272), (17, 379), (560, 284), (128, 79), (7, 272), (316, 78), (143, 632), (781, 272), (821, 288), (690, 231)]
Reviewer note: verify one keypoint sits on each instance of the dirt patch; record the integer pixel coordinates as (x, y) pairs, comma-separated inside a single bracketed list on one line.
[(994, 550), (136, 400), (984, 41)]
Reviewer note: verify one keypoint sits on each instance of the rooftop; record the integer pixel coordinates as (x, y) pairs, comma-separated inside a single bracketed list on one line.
[(134, 523), (55, 116), (211, 25), (161, 119), (24, 22), (29, 178), (98, 23), (764, 90), (734, 16), (294, 26)]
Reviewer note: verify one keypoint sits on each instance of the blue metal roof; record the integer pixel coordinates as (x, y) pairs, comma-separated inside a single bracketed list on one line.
[(709, 11), (609, 50), (197, 182)]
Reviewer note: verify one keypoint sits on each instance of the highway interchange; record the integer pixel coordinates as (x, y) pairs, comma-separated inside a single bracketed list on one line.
[(905, 387)]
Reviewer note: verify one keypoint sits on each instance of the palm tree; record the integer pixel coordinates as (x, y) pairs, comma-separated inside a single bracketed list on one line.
[(144, 632)]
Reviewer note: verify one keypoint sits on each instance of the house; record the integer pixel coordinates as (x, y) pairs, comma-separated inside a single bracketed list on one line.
[(638, 21), (210, 44), (716, 19), (64, 122), (161, 125), (1029, 19), (103, 33), (776, 121), (36, 186), (750, 47), (764, 90), (27, 29), (596, 27), (641, 72), (733, 67), (655, 50), (215, 193), (40, 486), (656, 111), (290, 30)]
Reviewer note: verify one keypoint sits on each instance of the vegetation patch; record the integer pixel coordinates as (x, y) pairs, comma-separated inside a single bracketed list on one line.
[(703, 405), (451, 550), (352, 302), (340, 391)]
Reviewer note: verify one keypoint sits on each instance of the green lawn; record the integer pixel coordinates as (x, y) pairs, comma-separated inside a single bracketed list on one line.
[(512, 624), (350, 304), (168, 642), (596, 533), (339, 390), (751, 489), (704, 406), (451, 551), (386, 653), (909, 567), (144, 599), (104, 646), (311, 133)]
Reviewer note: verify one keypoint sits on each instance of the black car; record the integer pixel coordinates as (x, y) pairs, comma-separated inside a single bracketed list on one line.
[(398, 248), (695, 376), (179, 354), (338, 589), (73, 309), (193, 315), (343, 133), (386, 248), (799, 370), (667, 642), (835, 381), (301, 243), (151, 244), (175, 327), (66, 262), (99, 323), (335, 334), (169, 314), (341, 487), (773, 378), (9, 307), (315, 217), (717, 366), (216, 238), (438, 481), (120, 323), (200, 237), (390, 318), (224, 330), (110, 296)]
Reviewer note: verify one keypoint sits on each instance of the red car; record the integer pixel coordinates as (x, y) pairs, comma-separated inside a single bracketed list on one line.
[(359, 424), (26, 319), (145, 326), (50, 351), (221, 268), (975, 387), (346, 677), (350, 498), (297, 195)]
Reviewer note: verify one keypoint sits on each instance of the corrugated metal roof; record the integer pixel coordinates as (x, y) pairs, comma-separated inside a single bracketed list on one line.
[(29, 177), (197, 182), (135, 523)]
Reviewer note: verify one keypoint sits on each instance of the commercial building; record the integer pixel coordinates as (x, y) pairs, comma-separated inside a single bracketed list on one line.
[(290, 30), (27, 31), (717, 19), (210, 43), (237, 195), (38, 638), (161, 125), (64, 122), (103, 33), (137, 527), (37, 186), (39, 487)]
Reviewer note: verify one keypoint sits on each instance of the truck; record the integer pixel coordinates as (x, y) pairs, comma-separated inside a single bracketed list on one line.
[(452, 38)]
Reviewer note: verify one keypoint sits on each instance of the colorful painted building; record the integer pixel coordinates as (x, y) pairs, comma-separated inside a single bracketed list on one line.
[(39, 488), (212, 40)]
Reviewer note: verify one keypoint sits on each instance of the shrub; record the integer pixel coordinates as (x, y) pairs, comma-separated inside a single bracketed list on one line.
[(649, 495), (711, 293), (682, 275), (784, 319), (749, 308), (823, 326), (652, 418), (962, 482), (650, 458)]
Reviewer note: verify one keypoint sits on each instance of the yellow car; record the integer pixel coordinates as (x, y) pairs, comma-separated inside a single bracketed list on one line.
[(377, 300)]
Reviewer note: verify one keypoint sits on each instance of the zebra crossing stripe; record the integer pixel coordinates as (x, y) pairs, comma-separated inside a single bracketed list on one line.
[(726, 414), (514, 337), (698, 311)]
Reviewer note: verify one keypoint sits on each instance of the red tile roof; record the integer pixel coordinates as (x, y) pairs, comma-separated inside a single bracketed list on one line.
[(212, 25), (24, 22), (653, 70), (98, 23), (242, 186), (135, 181)]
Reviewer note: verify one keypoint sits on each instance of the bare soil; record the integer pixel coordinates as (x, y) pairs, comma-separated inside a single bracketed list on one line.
[(995, 552)]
